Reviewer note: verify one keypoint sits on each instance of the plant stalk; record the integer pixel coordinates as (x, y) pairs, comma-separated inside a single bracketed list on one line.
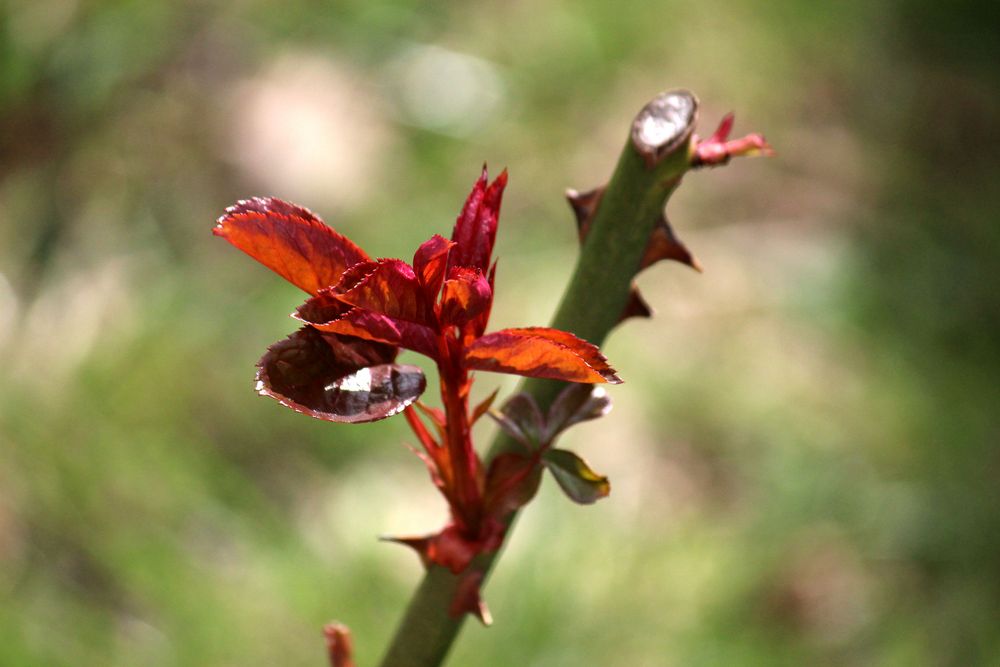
[(655, 157)]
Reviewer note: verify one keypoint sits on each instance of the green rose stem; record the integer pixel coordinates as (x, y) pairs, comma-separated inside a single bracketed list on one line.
[(656, 156)]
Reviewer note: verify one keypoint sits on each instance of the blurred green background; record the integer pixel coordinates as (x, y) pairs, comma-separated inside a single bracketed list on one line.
[(805, 457)]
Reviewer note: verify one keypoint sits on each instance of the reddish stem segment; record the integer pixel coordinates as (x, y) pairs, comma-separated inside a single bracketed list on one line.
[(464, 462)]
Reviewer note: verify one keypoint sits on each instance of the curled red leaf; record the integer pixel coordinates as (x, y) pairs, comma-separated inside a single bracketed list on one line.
[(337, 378), (476, 228), (464, 296), (290, 241), (388, 287), (542, 353), (326, 312), (430, 262)]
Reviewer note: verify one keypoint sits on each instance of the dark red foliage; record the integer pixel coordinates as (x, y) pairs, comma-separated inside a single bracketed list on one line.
[(340, 365)]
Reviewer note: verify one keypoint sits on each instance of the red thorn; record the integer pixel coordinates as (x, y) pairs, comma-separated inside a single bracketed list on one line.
[(338, 645), (636, 306), (419, 544), (467, 599)]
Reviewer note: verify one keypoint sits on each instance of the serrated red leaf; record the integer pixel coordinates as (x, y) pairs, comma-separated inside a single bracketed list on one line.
[(326, 312), (387, 287), (476, 227), (464, 296), (542, 353), (289, 240), (337, 378), (430, 262)]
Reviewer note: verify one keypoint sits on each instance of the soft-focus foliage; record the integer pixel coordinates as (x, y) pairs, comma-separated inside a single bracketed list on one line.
[(339, 368), (804, 458)]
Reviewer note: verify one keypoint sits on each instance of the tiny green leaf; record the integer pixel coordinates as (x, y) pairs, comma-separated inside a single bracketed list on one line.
[(576, 478), (521, 418), (576, 403)]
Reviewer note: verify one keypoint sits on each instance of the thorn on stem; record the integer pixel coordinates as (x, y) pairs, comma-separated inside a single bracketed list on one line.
[(338, 645)]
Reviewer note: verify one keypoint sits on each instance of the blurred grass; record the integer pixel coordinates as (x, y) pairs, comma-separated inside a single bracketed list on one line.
[(804, 457)]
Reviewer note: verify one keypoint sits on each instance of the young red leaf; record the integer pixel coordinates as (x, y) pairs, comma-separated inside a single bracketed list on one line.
[(575, 477), (511, 483), (426, 439), (464, 296), (327, 312), (433, 456), (476, 228), (542, 353), (478, 326), (337, 378), (483, 406), (290, 241), (430, 261), (719, 149), (388, 287)]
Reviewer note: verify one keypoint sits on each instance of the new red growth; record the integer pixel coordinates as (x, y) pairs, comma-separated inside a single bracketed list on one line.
[(340, 366)]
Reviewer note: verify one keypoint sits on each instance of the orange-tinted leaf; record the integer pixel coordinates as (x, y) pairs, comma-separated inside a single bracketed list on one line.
[(484, 406), (436, 415), (464, 296), (290, 241), (337, 378), (388, 287), (327, 312), (476, 227), (542, 353), (430, 262)]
